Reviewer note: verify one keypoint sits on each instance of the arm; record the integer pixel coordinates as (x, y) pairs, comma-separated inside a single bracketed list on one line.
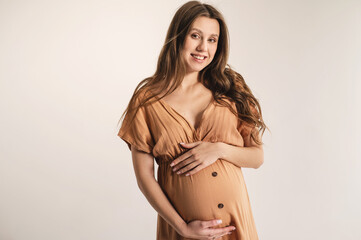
[(251, 155), (144, 170)]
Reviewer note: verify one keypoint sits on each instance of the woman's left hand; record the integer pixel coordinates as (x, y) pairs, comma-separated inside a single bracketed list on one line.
[(200, 156)]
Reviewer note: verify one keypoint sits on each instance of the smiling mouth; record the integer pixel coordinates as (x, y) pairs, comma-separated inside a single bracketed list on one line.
[(199, 57)]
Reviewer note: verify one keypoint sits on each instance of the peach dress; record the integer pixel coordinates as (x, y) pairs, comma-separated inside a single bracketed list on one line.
[(215, 192)]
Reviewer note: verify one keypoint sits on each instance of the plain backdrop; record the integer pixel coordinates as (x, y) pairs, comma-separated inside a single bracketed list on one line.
[(69, 68)]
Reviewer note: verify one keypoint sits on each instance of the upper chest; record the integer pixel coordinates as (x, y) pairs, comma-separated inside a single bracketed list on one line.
[(190, 106)]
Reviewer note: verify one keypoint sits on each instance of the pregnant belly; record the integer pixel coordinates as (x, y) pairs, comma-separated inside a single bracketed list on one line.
[(213, 192)]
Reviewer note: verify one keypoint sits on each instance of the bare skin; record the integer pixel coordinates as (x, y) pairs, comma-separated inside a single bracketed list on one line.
[(143, 164), (198, 96), (200, 41)]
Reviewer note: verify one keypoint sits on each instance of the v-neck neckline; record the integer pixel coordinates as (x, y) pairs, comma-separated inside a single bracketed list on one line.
[(203, 114)]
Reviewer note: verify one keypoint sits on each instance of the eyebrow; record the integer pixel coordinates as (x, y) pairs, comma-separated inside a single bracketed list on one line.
[(202, 32)]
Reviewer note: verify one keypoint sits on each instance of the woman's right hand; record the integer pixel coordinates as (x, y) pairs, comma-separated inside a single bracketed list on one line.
[(204, 230)]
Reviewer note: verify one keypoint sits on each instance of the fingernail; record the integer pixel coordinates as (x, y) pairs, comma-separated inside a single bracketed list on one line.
[(171, 164), (182, 143), (187, 174), (219, 221)]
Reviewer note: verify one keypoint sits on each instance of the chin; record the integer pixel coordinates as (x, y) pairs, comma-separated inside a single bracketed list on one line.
[(196, 69)]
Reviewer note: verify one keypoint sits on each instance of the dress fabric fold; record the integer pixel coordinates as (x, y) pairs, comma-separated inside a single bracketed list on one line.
[(215, 192)]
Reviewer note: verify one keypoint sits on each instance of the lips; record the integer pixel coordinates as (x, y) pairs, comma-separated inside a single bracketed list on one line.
[(198, 55)]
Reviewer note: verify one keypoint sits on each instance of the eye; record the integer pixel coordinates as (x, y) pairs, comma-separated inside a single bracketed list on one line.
[(194, 35)]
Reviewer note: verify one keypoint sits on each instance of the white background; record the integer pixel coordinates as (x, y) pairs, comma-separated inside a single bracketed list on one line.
[(69, 68)]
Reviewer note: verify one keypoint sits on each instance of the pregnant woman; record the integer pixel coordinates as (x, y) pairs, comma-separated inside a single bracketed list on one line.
[(201, 123)]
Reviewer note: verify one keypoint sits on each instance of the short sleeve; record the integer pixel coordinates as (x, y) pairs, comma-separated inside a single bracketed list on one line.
[(244, 128), (136, 132)]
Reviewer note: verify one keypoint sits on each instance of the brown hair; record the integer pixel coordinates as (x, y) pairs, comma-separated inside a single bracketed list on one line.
[(216, 76)]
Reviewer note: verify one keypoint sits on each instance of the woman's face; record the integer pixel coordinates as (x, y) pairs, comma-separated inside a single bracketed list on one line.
[(201, 41)]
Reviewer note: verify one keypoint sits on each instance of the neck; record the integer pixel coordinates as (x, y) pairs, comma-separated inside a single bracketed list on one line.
[(190, 81)]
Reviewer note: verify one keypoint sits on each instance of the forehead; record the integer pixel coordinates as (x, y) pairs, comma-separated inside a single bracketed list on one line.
[(206, 26)]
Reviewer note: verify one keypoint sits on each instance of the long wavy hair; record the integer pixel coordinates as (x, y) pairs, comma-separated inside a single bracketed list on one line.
[(217, 76)]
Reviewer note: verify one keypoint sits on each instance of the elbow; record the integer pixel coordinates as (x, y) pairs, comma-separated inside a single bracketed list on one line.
[(143, 181), (260, 161), (140, 186), (259, 164)]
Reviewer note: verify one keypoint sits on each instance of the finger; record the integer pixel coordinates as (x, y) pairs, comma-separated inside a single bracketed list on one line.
[(180, 158), (211, 223), (219, 236), (189, 167), (229, 228), (219, 231), (190, 145), (182, 164), (195, 170), (227, 233)]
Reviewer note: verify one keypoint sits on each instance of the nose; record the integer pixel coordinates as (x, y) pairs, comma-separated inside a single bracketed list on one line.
[(202, 46)]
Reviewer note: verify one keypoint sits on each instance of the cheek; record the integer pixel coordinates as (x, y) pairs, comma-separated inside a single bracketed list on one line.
[(187, 50), (213, 51), (186, 54), (188, 44)]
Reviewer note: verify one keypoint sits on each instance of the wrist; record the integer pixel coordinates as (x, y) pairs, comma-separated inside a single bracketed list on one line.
[(221, 146), (182, 228)]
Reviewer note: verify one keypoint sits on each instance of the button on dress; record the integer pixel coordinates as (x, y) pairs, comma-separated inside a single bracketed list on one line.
[(215, 192)]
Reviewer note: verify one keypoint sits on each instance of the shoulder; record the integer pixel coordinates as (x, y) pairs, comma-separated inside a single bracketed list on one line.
[(229, 100), (141, 96), (147, 103)]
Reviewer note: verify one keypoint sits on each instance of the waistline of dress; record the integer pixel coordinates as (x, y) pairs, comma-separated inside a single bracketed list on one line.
[(164, 161)]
